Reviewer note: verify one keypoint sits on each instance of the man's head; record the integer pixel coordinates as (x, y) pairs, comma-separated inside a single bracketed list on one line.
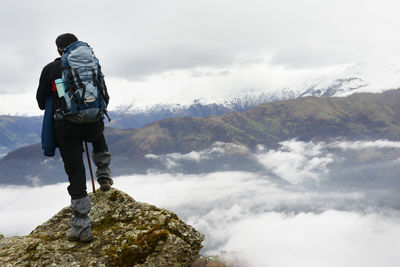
[(64, 40)]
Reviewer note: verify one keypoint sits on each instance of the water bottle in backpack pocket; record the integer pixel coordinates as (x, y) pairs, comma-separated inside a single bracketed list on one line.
[(61, 93)]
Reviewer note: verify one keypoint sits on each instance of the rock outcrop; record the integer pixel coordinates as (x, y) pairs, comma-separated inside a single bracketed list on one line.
[(127, 233)]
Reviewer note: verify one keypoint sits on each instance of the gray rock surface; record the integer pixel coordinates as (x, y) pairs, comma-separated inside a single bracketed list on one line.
[(127, 233)]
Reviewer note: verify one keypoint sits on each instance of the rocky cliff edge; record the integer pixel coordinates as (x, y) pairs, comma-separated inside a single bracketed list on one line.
[(126, 233)]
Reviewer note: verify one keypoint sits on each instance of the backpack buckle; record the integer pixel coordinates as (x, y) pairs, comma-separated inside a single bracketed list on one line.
[(80, 116)]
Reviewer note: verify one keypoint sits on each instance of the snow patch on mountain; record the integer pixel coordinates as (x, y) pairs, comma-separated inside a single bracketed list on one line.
[(355, 78), (341, 81)]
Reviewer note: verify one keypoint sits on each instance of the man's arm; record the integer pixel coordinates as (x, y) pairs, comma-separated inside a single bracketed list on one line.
[(43, 90)]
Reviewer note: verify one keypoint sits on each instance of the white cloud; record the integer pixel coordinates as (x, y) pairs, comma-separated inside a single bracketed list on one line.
[(358, 145), (246, 214), (308, 164), (297, 162), (33, 180), (191, 156), (12, 62), (301, 163), (217, 151), (22, 104), (24, 208), (330, 239)]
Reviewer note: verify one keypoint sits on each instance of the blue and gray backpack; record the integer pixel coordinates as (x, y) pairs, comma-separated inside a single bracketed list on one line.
[(85, 98)]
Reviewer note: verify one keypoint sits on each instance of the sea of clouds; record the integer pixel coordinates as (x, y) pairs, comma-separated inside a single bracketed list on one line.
[(316, 204)]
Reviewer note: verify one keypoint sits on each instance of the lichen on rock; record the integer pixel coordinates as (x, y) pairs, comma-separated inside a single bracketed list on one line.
[(126, 233)]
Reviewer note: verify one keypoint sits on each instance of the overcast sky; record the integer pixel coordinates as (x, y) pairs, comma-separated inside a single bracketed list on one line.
[(156, 51)]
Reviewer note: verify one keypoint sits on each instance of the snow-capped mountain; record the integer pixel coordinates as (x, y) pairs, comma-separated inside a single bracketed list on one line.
[(340, 82), (351, 79)]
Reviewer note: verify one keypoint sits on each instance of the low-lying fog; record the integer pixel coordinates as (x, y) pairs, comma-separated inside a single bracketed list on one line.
[(316, 204)]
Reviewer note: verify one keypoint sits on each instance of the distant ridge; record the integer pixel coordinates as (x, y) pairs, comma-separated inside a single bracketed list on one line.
[(18, 131), (365, 116)]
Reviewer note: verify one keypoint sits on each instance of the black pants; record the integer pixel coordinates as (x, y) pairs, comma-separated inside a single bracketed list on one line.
[(69, 138)]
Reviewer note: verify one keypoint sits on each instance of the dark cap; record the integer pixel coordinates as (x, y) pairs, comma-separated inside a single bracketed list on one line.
[(64, 40)]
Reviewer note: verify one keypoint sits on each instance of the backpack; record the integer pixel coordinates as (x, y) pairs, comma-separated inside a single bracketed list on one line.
[(86, 96)]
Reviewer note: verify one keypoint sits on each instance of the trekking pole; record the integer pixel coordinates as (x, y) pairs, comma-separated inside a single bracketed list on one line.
[(90, 166)]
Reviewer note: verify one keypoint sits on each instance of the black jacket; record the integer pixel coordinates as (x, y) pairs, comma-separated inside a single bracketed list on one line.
[(50, 73)]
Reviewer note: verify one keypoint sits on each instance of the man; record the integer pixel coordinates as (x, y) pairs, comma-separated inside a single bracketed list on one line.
[(69, 138)]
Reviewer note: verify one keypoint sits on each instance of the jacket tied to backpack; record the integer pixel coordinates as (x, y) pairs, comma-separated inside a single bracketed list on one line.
[(86, 98)]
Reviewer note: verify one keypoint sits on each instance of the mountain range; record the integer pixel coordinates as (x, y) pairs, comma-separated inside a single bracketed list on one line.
[(18, 131), (364, 116)]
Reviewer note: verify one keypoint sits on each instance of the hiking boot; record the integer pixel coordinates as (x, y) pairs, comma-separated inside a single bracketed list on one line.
[(103, 173), (105, 183), (85, 236), (81, 225)]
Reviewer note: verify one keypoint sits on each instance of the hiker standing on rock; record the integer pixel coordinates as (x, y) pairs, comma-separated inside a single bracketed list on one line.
[(74, 96)]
